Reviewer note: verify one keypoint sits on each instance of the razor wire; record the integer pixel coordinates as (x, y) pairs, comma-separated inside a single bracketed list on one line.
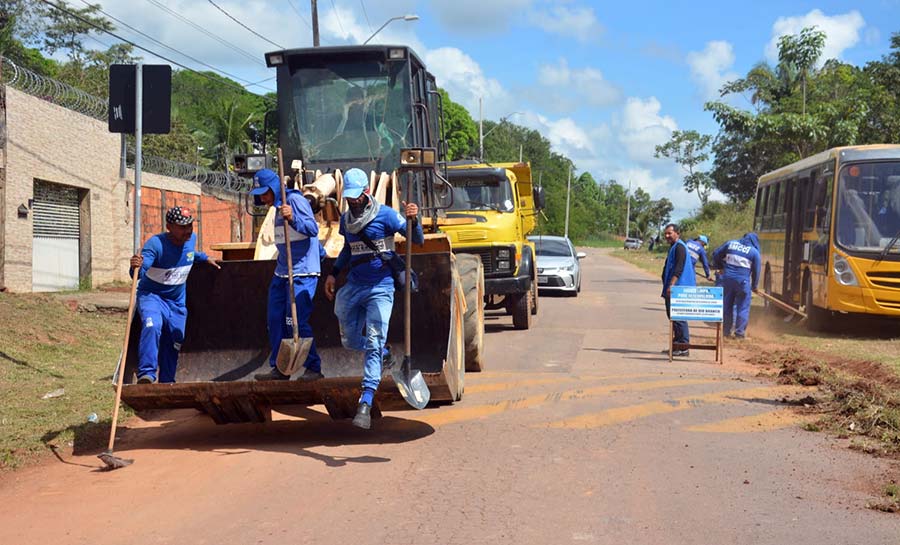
[(71, 98)]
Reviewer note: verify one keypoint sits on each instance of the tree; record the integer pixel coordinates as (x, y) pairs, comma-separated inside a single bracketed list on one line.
[(459, 128), (66, 33), (801, 52), (689, 149)]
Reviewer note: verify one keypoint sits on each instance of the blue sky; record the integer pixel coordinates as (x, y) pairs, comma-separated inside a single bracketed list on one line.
[(604, 82)]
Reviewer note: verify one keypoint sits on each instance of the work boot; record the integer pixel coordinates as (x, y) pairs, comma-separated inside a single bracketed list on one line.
[(273, 374), (309, 375), (145, 379), (681, 353), (363, 418)]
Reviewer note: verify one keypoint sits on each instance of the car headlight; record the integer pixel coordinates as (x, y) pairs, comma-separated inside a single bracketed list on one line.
[(569, 268), (842, 271)]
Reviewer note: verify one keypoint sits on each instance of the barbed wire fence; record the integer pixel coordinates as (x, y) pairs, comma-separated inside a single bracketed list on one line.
[(66, 96)]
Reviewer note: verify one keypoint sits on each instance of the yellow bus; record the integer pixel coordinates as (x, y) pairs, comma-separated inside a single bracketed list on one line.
[(828, 227)]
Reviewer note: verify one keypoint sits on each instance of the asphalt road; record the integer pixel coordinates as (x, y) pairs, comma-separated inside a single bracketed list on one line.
[(578, 431)]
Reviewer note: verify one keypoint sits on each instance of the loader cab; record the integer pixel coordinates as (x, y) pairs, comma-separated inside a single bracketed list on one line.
[(354, 106)]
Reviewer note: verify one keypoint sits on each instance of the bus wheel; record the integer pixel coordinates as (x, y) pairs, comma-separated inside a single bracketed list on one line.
[(816, 318)]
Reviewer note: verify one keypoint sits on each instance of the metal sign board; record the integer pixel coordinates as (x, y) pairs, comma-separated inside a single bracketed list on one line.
[(156, 98), (696, 303)]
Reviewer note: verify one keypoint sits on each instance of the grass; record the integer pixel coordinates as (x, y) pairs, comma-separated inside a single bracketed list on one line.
[(601, 241), (651, 262), (46, 346)]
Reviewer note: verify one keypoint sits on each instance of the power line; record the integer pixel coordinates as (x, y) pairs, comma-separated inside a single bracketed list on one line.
[(366, 14), (304, 19), (338, 17), (255, 33), (150, 51), (226, 43), (170, 48)]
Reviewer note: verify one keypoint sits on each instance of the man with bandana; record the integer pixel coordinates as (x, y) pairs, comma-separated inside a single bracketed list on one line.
[(163, 267), (364, 304), (305, 253)]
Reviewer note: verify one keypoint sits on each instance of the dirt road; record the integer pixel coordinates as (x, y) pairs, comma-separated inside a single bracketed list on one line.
[(579, 431)]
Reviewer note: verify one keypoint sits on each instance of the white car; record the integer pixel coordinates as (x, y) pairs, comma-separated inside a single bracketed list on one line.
[(558, 268)]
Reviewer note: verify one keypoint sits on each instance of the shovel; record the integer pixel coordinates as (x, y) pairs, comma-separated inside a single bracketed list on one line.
[(410, 382), (292, 353)]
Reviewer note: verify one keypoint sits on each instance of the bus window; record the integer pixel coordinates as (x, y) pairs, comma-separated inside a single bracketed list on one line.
[(760, 208), (809, 205), (772, 208)]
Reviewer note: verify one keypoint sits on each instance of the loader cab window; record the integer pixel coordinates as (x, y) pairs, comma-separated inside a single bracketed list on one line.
[(354, 110)]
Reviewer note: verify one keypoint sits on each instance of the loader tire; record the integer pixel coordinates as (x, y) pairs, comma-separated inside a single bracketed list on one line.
[(471, 273), (521, 309)]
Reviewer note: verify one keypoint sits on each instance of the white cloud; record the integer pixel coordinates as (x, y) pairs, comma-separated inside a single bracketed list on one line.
[(564, 134), (475, 16), (842, 32), (563, 86), (577, 22), (710, 68), (464, 80), (642, 128)]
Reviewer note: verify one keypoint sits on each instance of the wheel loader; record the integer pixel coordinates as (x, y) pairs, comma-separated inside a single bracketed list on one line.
[(338, 108)]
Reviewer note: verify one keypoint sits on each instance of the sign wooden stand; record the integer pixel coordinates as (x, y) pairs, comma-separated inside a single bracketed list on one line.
[(692, 303), (718, 347)]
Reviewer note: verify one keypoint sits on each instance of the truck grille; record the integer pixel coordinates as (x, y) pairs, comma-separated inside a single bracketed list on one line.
[(486, 255), (889, 280)]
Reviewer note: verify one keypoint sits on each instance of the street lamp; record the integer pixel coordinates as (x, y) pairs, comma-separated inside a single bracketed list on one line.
[(386, 23)]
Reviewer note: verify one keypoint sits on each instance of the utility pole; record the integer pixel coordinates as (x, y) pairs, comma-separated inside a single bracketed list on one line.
[(627, 209), (520, 152), (313, 8), (568, 192), (480, 130)]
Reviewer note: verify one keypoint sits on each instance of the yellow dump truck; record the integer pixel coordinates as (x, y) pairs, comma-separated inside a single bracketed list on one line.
[(503, 202), (338, 108)]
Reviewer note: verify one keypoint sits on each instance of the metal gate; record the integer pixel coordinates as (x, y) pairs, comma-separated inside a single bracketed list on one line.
[(57, 230)]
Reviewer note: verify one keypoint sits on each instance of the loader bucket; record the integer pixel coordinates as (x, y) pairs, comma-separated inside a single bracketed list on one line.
[(226, 344)]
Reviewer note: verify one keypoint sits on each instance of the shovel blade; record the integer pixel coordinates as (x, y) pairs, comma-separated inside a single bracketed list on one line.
[(411, 385), (291, 355)]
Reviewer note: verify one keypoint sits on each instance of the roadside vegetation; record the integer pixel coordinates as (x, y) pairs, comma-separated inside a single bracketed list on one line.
[(55, 371)]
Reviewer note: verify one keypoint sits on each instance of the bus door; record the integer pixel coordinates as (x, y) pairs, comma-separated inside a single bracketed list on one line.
[(795, 189)]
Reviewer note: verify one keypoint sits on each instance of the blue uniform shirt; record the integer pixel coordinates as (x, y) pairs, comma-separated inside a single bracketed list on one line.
[(304, 232), (740, 259), (685, 276), (698, 253), (380, 230), (166, 267)]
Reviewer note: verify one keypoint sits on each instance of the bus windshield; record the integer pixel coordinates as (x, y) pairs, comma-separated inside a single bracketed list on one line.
[(351, 111), (477, 194), (868, 206)]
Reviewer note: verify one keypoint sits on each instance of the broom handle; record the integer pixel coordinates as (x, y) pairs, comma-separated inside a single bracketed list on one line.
[(115, 417), (287, 244)]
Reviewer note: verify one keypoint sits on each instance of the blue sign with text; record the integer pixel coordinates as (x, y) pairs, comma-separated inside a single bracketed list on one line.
[(696, 303)]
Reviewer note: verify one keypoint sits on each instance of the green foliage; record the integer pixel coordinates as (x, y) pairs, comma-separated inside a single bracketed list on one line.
[(720, 222), (459, 129), (690, 149)]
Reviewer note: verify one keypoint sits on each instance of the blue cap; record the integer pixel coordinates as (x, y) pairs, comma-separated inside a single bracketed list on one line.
[(355, 183), (703, 239), (263, 181)]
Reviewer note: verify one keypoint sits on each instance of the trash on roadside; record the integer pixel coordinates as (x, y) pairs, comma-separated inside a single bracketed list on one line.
[(93, 418), (55, 393)]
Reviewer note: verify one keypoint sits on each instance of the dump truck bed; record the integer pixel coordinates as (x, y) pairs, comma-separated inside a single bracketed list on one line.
[(226, 344)]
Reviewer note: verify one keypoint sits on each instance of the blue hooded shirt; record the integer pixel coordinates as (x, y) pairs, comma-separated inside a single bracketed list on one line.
[(302, 230), (166, 267), (740, 259), (698, 253)]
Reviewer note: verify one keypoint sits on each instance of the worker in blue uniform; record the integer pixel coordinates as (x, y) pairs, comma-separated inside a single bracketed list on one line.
[(677, 272), (306, 253), (740, 260), (697, 251), (363, 305), (163, 267)]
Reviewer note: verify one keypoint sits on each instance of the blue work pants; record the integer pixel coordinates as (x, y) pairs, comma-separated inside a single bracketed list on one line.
[(737, 305), (279, 316), (162, 333), (682, 331), (364, 313)]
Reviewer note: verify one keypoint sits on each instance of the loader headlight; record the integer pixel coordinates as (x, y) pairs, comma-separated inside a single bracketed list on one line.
[(842, 271)]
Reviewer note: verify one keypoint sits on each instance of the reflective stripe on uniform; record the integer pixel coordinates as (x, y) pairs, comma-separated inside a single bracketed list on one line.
[(295, 236), (694, 255), (169, 277), (737, 261), (358, 247)]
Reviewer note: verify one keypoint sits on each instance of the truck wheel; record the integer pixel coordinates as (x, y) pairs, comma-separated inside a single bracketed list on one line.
[(521, 310), (534, 296), (471, 274)]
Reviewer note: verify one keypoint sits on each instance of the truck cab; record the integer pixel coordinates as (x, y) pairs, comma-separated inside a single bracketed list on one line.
[(503, 203)]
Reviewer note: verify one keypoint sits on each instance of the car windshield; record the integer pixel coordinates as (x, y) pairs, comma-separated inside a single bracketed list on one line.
[(351, 110), (550, 247), (479, 194), (868, 206)]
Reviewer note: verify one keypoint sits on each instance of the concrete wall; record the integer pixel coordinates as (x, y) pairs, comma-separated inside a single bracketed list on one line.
[(46, 142)]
